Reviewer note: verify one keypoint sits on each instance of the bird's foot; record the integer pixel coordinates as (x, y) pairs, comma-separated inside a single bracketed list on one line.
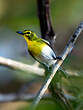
[(59, 57)]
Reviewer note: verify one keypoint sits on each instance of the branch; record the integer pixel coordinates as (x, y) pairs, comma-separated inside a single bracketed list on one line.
[(56, 66), (20, 97), (34, 69), (21, 66), (47, 31), (26, 97), (60, 97)]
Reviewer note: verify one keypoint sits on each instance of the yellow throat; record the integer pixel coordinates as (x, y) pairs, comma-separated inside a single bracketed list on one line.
[(34, 46)]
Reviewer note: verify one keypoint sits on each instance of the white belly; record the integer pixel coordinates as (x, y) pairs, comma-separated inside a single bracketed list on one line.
[(47, 56)]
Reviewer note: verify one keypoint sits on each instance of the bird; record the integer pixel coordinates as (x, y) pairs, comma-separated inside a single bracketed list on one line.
[(40, 49)]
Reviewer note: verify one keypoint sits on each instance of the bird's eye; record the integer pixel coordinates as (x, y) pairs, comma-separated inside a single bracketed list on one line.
[(28, 33)]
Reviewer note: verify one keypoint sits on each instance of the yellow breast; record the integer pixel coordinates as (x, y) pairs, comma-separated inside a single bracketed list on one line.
[(35, 47)]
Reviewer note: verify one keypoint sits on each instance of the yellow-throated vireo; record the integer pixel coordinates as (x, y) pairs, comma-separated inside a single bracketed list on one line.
[(39, 48)]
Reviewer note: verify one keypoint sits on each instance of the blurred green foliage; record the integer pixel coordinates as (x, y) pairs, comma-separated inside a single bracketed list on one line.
[(24, 12)]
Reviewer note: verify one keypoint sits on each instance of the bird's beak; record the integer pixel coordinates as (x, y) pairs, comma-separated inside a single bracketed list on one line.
[(19, 32)]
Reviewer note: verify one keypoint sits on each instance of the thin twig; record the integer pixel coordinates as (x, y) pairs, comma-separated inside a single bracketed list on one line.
[(21, 66), (59, 96), (26, 97), (20, 97), (50, 76)]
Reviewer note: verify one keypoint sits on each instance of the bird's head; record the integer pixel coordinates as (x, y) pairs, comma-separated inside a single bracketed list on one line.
[(27, 34)]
